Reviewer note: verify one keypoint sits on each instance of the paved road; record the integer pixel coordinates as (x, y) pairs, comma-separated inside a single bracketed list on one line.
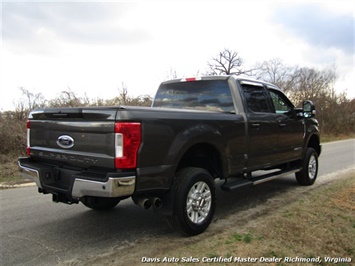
[(337, 156), (35, 231)]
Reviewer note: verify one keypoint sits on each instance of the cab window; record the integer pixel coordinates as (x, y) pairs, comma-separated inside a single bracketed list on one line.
[(281, 104), (210, 95), (256, 99)]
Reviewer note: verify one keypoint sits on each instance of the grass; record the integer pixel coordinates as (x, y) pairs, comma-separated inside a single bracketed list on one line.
[(9, 173), (335, 137), (319, 223), (237, 237)]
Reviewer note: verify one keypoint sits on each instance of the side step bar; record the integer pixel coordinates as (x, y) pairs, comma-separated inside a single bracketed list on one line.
[(257, 180)]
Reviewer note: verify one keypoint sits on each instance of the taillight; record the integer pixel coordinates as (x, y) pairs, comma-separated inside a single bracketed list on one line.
[(28, 131), (127, 142)]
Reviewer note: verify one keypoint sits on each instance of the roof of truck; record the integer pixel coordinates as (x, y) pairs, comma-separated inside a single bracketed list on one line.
[(222, 77)]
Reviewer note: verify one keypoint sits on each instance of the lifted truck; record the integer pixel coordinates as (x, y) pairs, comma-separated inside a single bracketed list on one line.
[(168, 156)]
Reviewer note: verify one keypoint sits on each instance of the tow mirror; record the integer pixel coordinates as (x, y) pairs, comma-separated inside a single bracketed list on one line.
[(309, 109)]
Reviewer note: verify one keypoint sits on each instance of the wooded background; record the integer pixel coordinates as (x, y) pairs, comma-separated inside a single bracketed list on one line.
[(335, 111)]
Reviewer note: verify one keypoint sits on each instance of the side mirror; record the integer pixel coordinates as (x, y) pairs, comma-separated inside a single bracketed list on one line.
[(309, 109)]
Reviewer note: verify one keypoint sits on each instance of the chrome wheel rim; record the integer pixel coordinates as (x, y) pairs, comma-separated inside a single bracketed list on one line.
[(312, 167), (198, 203)]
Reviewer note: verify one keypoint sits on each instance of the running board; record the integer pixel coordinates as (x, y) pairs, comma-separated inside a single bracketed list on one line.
[(257, 180)]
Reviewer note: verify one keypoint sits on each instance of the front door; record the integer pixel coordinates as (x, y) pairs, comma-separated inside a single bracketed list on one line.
[(291, 128)]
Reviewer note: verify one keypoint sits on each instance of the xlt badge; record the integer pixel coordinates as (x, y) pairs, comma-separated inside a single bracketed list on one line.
[(65, 141)]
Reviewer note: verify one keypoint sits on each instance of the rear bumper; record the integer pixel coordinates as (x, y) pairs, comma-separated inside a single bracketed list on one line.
[(113, 188), (29, 173), (116, 185)]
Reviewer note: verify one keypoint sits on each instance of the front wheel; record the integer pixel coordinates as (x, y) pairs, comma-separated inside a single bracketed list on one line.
[(307, 176), (100, 203), (195, 201)]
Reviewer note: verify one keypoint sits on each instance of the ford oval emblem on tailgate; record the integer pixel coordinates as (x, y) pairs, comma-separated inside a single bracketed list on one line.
[(65, 141)]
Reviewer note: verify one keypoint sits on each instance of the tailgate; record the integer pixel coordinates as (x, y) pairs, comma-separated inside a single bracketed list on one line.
[(73, 137)]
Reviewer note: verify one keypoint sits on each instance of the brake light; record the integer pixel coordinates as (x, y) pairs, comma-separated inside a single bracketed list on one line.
[(190, 79), (127, 143), (28, 131)]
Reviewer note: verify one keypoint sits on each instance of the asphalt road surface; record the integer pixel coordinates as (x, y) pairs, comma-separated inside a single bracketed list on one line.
[(35, 231)]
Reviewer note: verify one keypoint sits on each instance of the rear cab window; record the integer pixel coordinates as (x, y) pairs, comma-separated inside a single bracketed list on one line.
[(209, 95)]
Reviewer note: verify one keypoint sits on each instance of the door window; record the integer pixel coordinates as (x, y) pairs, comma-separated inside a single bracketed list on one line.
[(256, 98), (281, 104)]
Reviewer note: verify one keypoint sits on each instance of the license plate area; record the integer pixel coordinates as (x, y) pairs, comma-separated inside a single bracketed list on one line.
[(58, 178)]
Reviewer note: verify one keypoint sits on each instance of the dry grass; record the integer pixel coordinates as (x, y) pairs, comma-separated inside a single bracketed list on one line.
[(336, 137), (320, 223), (9, 173)]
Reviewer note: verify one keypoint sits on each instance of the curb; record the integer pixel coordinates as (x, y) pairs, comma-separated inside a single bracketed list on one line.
[(9, 186)]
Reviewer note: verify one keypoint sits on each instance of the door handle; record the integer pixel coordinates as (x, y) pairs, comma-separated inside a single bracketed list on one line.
[(282, 125), (255, 125)]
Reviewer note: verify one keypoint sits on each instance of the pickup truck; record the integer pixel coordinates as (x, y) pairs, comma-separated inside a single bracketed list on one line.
[(199, 132)]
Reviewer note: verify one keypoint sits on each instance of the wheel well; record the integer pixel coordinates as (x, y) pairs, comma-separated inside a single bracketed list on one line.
[(314, 143), (205, 156)]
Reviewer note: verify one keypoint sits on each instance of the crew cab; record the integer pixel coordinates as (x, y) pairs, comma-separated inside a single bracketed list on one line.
[(170, 155)]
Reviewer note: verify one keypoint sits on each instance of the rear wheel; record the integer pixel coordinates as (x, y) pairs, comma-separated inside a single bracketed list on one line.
[(100, 203), (307, 176), (195, 201)]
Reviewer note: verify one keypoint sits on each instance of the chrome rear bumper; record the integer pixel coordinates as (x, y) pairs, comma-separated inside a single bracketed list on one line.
[(29, 173), (114, 187)]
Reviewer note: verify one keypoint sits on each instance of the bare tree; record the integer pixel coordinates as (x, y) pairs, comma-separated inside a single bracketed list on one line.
[(172, 74), (227, 62), (335, 112), (13, 129), (123, 97), (69, 98), (12, 133), (276, 72), (32, 100), (144, 100), (314, 84)]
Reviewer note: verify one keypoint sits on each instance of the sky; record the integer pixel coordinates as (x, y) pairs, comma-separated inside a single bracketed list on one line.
[(95, 48)]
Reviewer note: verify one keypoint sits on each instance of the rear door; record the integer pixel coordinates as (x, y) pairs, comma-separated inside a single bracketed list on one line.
[(262, 126)]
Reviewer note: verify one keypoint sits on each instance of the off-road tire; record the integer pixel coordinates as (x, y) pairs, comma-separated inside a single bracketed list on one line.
[(194, 203)]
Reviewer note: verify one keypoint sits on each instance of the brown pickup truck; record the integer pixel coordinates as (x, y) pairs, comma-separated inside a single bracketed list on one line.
[(168, 156)]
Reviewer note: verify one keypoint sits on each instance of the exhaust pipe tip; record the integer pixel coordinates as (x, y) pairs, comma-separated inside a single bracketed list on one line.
[(147, 203), (157, 203), (144, 203)]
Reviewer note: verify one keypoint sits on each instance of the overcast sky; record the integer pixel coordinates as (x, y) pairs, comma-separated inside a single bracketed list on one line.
[(94, 47)]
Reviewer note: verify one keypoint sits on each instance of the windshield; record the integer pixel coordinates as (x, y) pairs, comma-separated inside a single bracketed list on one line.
[(210, 95)]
